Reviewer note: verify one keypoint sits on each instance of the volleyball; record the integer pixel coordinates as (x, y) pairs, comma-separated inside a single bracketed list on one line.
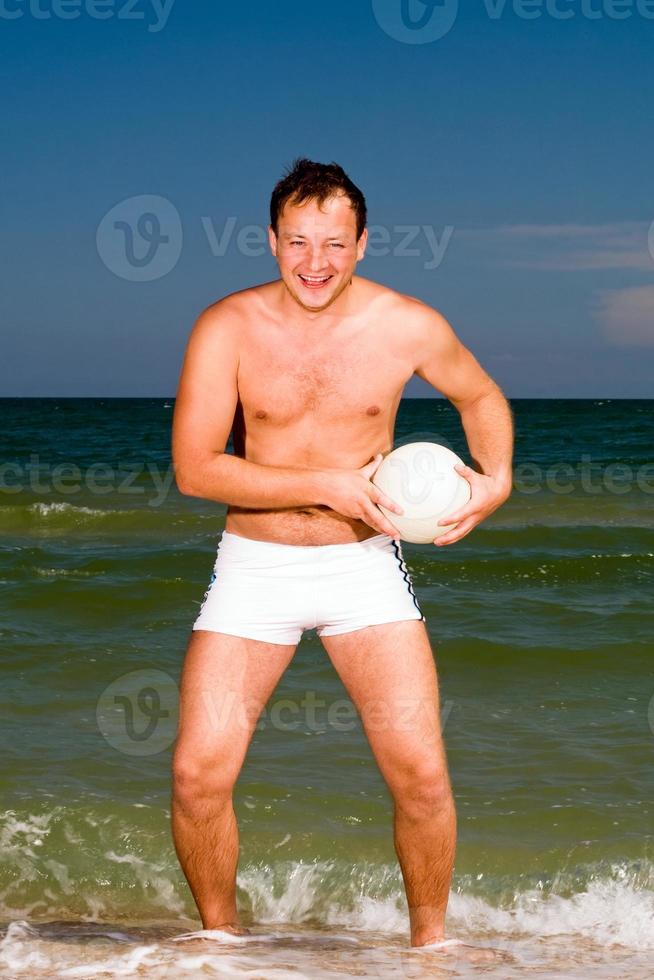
[(421, 478)]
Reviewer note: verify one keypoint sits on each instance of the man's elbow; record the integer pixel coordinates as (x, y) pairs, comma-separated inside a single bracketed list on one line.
[(186, 481), (184, 486), (488, 389), (193, 477)]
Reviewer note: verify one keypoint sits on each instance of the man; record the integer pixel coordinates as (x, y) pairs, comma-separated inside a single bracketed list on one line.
[(309, 370)]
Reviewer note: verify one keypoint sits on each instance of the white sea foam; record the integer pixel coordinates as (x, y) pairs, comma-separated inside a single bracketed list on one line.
[(617, 909), (62, 573), (151, 877), (44, 509), (608, 905), (612, 905), (608, 912)]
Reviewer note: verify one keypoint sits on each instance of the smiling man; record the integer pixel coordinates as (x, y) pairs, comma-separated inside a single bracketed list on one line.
[(308, 372)]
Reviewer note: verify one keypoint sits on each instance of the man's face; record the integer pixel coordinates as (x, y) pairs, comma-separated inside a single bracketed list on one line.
[(317, 250)]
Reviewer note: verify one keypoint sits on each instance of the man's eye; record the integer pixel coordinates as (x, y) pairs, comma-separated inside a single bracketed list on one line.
[(297, 243), (337, 245)]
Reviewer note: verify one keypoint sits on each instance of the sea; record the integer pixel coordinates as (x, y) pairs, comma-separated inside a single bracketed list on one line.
[(541, 622)]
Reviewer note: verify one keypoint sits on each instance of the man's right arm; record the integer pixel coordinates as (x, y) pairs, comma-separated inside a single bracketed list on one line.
[(205, 405)]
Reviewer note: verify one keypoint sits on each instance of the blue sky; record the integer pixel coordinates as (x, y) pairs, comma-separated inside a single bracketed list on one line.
[(506, 162)]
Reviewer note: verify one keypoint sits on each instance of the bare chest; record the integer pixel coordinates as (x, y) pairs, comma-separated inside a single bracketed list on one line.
[(282, 382)]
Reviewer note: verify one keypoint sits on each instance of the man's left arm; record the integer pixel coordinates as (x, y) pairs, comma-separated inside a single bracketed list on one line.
[(445, 363)]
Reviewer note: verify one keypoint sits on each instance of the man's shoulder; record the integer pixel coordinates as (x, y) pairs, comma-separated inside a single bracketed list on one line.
[(236, 307), (407, 308)]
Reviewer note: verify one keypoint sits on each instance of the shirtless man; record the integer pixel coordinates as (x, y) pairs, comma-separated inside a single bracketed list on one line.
[(309, 371)]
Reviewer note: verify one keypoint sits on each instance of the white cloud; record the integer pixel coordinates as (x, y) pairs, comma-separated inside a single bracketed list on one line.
[(570, 247), (627, 316)]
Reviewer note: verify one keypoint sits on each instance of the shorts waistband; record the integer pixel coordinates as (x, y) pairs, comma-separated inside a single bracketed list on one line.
[(236, 543)]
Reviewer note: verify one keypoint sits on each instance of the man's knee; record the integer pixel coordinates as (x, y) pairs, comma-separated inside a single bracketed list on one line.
[(202, 776), (421, 788)]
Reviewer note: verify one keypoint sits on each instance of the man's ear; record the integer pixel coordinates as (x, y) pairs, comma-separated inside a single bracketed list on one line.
[(361, 244), (272, 240)]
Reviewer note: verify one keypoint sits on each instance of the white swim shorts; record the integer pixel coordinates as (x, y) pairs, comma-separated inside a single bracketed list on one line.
[(273, 592)]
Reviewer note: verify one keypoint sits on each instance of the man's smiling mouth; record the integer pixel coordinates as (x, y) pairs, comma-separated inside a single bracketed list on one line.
[(314, 282)]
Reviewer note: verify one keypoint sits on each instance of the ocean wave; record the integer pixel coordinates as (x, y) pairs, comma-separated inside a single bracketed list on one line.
[(60, 517), (580, 515), (58, 864), (61, 573), (58, 511), (609, 905)]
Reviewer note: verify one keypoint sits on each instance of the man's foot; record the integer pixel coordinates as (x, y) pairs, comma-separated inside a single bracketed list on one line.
[(460, 950), (217, 932), (234, 928)]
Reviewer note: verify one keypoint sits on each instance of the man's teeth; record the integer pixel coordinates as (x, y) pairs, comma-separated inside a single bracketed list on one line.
[(315, 279)]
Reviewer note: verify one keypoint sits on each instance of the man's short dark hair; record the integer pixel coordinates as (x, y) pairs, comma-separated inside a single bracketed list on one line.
[(306, 181)]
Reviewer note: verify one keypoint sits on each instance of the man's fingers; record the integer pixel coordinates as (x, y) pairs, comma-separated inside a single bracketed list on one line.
[(466, 511), (380, 498), (456, 534), (369, 469), (378, 520), (456, 516)]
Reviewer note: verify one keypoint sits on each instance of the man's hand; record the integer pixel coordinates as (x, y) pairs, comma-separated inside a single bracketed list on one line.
[(487, 494), (351, 493)]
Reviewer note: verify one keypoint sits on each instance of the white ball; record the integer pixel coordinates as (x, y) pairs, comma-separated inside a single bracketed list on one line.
[(421, 478)]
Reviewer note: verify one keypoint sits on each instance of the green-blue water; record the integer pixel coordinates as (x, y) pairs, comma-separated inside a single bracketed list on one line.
[(541, 622)]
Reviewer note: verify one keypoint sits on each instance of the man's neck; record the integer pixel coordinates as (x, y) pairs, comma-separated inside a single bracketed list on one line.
[(295, 314)]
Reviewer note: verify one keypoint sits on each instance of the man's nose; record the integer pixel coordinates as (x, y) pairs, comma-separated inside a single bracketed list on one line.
[(316, 260)]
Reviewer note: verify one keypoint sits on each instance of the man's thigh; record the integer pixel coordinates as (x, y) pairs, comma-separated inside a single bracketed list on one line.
[(390, 674), (225, 684)]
